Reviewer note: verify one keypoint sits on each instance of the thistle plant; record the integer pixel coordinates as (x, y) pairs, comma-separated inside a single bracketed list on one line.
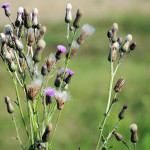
[(118, 51), (22, 47)]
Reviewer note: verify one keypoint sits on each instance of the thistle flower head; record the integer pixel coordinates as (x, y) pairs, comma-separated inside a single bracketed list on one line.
[(44, 70), (86, 31), (122, 113), (133, 46), (50, 92), (8, 29), (10, 107), (76, 22), (66, 71), (117, 135), (42, 32), (129, 38), (50, 62), (34, 88), (61, 97), (5, 5), (61, 48), (119, 85), (71, 73)]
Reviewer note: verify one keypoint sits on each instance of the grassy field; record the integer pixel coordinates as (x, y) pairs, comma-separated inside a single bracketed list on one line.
[(89, 88)]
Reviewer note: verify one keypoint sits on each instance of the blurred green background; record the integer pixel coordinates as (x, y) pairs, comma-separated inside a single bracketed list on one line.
[(89, 88)]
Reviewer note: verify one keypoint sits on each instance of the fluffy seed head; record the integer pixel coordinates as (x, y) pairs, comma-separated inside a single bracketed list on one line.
[(133, 128), (34, 88), (41, 44), (35, 11), (68, 17), (129, 38), (61, 97), (86, 31), (8, 29), (20, 10), (114, 28)]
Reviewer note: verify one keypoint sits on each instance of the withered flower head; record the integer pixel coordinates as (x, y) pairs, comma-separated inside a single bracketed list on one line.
[(86, 31), (119, 85), (61, 98), (133, 129), (50, 62), (31, 38), (10, 107), (34, 88), (117, 135)]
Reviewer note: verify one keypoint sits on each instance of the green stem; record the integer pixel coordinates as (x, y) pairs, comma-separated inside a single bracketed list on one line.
[(110, 134), (18, 137), (54, 130), (134, 146), (126, 145)]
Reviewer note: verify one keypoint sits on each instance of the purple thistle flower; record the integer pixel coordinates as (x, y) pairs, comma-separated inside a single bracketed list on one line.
[(50, 92), (5, 5), (67, 70), (61, 48), (71, 73)]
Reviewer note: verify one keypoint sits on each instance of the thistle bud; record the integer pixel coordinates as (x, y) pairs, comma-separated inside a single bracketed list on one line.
[(12, 66), (114, 31), (10, 108), (47, 132), (133, 46), (31, 38), (18, 43), (68, 17), (7, 11), (8, 30), (115, 100), (40, 145), (113, 52), (109, 34), (57, 81), (119, 40), (122, 113), (40, 47), (76, 22), (117, 135), (18, 21), (27, 18), (50, 62), (39, 26), (42, 33), (125, 46), (86, 31), (74, 48), (61, 49), (44, 70), (68, 78), (119, 85), (21, 31), (34, 17), (133, 129)]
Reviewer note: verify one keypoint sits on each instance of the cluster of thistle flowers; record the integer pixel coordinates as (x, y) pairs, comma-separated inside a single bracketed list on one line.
[(117, 46), (22, 60)]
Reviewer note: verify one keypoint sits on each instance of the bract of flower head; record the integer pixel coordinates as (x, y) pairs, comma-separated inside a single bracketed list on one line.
[(5, 5), (61, 48)]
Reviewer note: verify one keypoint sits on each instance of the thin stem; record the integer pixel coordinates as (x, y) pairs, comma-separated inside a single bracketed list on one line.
[(54, 130), (134, 146), (12, 24), (110, 134), (18, 137), (126, 145)]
